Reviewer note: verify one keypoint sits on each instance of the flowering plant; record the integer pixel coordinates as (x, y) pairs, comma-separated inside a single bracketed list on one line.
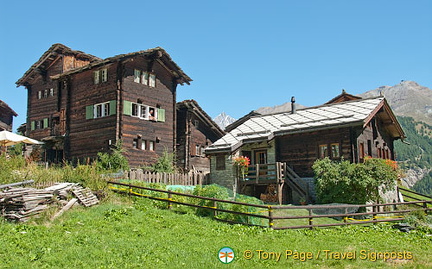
[(242, 162)]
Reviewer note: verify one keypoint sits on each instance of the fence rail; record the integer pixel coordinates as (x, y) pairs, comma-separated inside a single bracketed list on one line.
[(276, 213)]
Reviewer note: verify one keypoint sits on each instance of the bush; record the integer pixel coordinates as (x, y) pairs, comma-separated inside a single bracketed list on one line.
[(345, 182), (164, 164), (113, 161), (211, 191)]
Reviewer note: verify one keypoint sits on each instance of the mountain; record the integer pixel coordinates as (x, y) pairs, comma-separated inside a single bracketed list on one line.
[(285, 107), (223, 120), (416, 157), (408, 99)]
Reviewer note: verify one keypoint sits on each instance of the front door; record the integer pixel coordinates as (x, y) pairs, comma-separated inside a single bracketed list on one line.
[(260, 157)]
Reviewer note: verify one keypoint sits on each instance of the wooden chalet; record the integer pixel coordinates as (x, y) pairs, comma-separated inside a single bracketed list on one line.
[(79, 104), (282, 147), (195, 131), (6, 117)]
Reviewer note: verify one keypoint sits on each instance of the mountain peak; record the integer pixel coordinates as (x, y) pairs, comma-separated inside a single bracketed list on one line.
[(223, 120), (407, 98)]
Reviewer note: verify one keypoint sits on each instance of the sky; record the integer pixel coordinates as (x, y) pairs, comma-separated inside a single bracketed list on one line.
[(241, 55)]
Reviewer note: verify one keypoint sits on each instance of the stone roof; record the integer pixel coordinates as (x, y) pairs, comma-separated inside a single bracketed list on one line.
[(335, 115)]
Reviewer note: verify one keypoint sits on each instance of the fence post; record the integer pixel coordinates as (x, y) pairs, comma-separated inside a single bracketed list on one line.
[(310, 218), (270, 212), (215, 209), (374, 210), (346, 216), (169, 200), (425, 207)]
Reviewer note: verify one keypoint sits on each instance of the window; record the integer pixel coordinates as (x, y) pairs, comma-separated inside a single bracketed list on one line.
[(145, 78), (143, 111), (361, 152), (39, 94), (197, 150), (151, 145), (144, 145), (101, 110), (323, 151), (51, 92), (45, 93), (335, 150), (152, 80), (220, 162), (135, 143), (137, 74), (100, 76), (39, 124)]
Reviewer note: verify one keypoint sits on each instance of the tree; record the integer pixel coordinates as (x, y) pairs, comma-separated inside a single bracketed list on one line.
[(345, 182)]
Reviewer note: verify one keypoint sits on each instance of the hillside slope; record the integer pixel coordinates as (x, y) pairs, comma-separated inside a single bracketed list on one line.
[(416, 157)]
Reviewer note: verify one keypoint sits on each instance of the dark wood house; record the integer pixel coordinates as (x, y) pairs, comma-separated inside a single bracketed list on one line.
[(79, 104), (195, 131), (6, 117), (347, 127)]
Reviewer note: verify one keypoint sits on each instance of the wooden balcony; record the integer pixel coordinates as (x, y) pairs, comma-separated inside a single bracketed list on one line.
[(275, 173)]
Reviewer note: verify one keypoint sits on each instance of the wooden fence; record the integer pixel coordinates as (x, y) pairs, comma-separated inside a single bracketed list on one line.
[(188, 179), (374, 212)]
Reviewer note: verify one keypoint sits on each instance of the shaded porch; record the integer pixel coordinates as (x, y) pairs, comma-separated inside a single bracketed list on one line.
[(274, 182)]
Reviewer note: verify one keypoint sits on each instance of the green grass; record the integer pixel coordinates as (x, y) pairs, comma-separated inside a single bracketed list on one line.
[(122, 233), (416, 197)]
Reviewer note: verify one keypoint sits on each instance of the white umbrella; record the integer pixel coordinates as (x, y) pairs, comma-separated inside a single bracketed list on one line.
[(9, 139)]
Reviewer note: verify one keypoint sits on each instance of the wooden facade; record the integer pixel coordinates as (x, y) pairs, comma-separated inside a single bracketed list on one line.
[(195, 131), (6, 117), (80, 105)]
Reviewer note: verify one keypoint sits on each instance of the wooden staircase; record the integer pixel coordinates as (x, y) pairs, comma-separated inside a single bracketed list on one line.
[(296, 183)]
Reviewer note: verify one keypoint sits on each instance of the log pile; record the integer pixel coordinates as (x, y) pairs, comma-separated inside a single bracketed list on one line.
[(19, 204)]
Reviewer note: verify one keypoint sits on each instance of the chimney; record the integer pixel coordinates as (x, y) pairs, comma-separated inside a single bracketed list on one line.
[(293, 108)]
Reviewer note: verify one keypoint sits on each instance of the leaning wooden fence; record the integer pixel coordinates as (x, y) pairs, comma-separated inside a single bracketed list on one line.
[(188, 179), (374, 213)]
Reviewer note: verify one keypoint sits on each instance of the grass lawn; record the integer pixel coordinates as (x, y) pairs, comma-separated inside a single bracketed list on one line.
[(121, 233)]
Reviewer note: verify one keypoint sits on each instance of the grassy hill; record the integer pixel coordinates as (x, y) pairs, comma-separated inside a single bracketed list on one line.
[(418, 154), (124, 233)]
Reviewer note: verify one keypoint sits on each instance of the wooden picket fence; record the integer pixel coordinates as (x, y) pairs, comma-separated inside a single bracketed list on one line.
[(187, 179)]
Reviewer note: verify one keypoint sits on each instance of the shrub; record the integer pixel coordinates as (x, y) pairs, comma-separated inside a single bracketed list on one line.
[(164, 164), (211, 191), (345, 182), (113, 161)]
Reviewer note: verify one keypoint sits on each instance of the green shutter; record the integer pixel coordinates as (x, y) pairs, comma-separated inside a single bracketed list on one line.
[(33, 125), (127, 108), (112, 107), (89, 112), (161, 115), (45, 123)]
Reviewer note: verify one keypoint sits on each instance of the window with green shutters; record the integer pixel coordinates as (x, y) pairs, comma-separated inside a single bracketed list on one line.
[(144, 112), (39, 124), (101, 110)]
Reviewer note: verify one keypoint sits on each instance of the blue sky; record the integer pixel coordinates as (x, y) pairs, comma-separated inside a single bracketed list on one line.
[(242, 55)]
